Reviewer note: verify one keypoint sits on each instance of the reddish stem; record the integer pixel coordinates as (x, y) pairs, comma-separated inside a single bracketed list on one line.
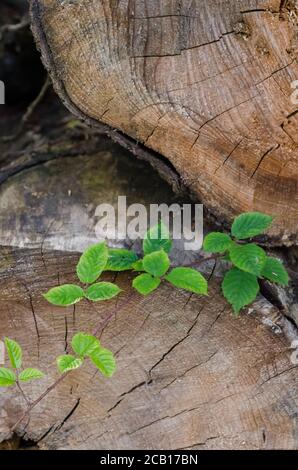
[(203, 260), (22, 392), (98, 329)]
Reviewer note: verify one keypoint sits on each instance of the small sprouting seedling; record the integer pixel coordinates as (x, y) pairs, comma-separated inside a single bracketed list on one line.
[(249, 261), (87, 346), (92, 263), (9, 377), (156, 264)]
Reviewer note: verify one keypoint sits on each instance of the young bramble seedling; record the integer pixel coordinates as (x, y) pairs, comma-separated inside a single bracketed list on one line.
[(156, 264), (250, 262), (246, 258), (87, 346), (92, 263), (10, 377)]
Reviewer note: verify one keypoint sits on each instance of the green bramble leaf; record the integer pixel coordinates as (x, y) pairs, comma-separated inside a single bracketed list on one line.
[(275, 271), (138, 265), (104, 360), (156, 263), (145, 283), (92, 263), (84, 344), (188, 279), (240, 288), (250, 224), (68, 362), (250, 258), (30, 374), (14, 352), (157, 238), (65, 295), (120, 259), (7, 377), (216, 242), (102, 291)]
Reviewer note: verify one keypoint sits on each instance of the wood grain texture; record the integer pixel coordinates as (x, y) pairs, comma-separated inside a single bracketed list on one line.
[(206, 84), (189, 375)]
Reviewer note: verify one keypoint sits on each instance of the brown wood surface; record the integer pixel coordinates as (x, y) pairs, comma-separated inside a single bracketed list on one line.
[(189, 375), (204, 83)]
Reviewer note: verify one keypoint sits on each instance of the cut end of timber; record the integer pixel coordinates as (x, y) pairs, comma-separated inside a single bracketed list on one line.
[(204, 90)]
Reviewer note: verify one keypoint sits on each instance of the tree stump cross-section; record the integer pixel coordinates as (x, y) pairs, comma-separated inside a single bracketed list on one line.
[(189, 374), (204, 86)]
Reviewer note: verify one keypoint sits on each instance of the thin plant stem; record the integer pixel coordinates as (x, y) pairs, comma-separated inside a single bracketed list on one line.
[(38, 400), (204, 260), (98, 329), (22, 393)]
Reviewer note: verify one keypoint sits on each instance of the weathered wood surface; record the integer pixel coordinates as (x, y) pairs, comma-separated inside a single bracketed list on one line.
[(49, 193), (206, 84), (189, 375)]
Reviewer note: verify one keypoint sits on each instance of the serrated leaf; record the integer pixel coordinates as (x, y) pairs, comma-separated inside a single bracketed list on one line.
[(84, 344), (156, 263), (102, 291), (157, 238), (250, 258), (92, 263), (250, 224), (188, 279), (240, 288), (138, 265), (68, 362), (145, 283), (275, 271), (216, 242), (67, 294), (14, 351), (30, 374), (120, 259), (7, 377), (104, 360)]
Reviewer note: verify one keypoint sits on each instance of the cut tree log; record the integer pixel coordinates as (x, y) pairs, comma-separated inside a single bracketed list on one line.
[(189, 375), (200, 87)]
